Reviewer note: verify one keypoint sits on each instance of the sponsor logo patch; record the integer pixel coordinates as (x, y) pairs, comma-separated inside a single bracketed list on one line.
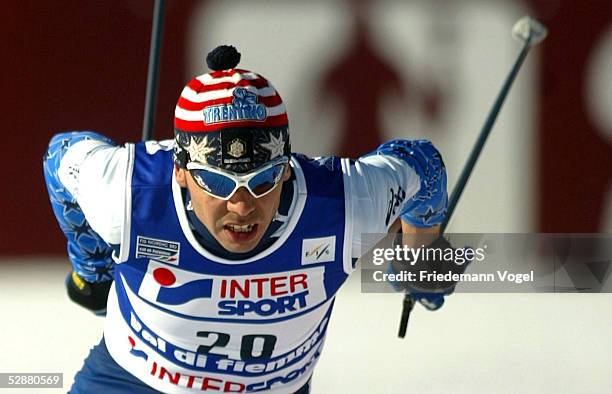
[(237, 146), (244, 106), (318, 250), (267, 295), (395, 199), (158, 249)]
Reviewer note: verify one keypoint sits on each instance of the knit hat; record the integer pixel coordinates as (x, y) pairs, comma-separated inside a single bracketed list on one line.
[(230, 118)]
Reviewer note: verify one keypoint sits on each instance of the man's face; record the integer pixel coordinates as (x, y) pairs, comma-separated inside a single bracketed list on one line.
[(239, 223)]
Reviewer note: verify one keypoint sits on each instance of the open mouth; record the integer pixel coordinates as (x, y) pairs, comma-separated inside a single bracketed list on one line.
[(246, 228), (240, 233)]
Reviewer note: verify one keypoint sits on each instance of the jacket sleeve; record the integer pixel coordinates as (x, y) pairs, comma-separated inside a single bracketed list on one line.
[(427, 207), (85, 177), (404, 178)]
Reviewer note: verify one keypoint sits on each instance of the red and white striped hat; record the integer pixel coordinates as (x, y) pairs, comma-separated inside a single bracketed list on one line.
[(230, 118), (228, 97)]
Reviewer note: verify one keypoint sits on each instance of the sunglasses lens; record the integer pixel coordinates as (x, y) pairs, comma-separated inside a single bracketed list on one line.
[(266, 180), (216, 184)]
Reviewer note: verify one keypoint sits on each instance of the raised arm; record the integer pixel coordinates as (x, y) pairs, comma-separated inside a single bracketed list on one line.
[(85, 177), (401, 185)]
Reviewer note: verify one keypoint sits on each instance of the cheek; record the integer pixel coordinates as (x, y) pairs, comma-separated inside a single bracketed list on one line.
[(269, 204), (209, 213), (208, 209)]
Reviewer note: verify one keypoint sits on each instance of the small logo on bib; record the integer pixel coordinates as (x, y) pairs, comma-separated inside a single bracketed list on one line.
[(318, 250), (158, 249)]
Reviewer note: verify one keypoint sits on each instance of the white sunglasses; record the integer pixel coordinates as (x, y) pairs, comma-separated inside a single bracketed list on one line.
[(223, 184)]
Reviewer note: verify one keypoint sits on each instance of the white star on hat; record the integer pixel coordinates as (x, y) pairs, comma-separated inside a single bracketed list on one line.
[(199, 151), (276, 146)]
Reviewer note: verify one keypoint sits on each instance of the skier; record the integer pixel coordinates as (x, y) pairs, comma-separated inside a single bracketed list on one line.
[(216, 256)]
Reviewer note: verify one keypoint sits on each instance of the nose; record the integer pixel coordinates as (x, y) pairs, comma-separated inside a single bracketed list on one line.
[(241, 203)]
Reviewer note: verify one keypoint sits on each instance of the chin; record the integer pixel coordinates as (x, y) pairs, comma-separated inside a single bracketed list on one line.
[(239, 248)]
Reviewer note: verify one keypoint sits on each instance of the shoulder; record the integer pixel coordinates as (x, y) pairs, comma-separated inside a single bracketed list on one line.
[(322, 176), (86, 157), (152, 163), (92, 170), (421, 155), (331, 164)]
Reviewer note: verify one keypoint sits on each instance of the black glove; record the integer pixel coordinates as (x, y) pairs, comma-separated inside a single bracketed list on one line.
[(438, 258), (89, 295)]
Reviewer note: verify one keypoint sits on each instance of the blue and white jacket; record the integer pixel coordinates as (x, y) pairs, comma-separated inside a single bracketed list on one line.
[(182, 319)]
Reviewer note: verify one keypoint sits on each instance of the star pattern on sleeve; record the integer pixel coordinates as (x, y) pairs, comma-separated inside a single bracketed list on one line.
[(79, 230), (428, 215), (90, 255), (70, 206)]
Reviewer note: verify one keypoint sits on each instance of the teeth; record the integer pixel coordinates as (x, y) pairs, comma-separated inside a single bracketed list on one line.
[(241, 229)]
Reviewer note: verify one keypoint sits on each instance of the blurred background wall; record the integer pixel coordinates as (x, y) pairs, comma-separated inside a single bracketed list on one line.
[(352, 73)]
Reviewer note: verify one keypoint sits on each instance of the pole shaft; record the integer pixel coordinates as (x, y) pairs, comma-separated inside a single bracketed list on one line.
[(482, 138), (409, 301), (153, 71)]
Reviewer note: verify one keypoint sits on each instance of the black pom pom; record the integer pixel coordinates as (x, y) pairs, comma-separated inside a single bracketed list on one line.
[(223, 57)]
